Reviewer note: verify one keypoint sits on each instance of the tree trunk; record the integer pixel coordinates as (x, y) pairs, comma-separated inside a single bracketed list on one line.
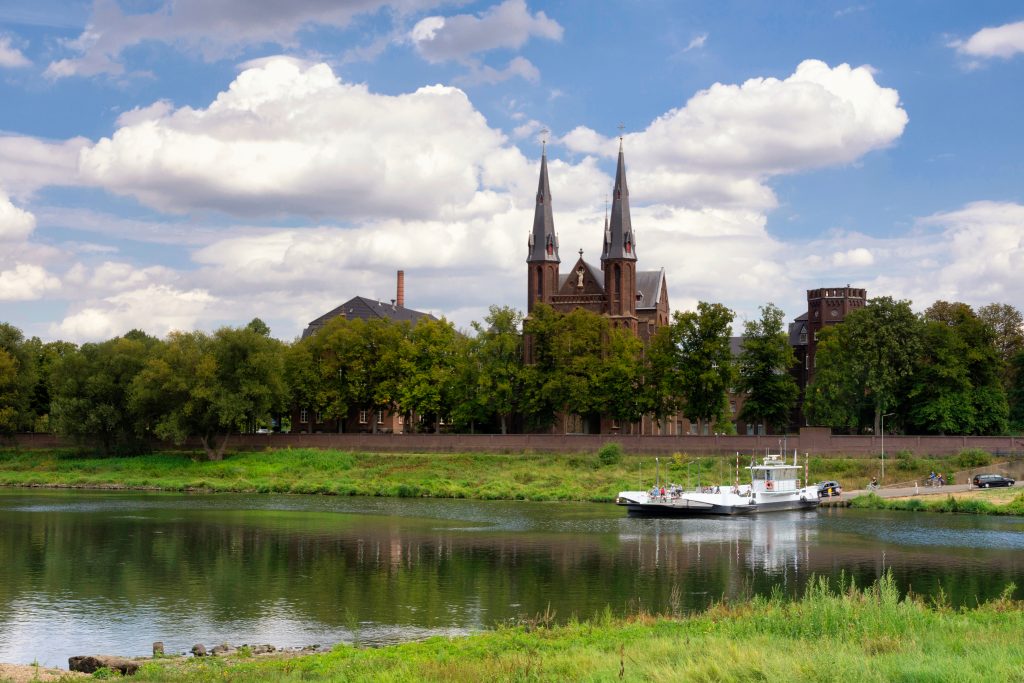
[(223, 446), (504, 427), (878, 420), (213, 454)]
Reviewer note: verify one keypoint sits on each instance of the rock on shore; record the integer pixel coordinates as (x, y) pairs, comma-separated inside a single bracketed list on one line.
[(91, 663)]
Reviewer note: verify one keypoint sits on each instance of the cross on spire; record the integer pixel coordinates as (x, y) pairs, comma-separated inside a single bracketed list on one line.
[(543, 139)]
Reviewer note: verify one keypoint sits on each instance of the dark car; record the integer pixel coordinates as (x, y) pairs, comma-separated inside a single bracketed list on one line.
[(983, 481), (829, 488)]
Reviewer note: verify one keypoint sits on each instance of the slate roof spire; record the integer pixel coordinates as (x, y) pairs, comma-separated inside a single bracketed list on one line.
[(620, 242), (543, 242)]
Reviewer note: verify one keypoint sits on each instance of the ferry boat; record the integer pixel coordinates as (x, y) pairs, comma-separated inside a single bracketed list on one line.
[(773, 486)]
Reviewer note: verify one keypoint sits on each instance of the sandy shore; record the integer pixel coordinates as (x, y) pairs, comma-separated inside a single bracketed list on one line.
[(22, 673)]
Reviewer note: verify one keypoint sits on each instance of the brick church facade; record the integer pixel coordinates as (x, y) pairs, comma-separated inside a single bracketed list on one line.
[(632, 299), (635, 300)]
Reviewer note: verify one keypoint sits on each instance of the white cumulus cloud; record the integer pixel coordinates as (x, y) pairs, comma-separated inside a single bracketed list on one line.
[(507, 25), (996, 41), (212, 29), (288, 137), (10, 56), (158, 309), (15, 224), (728, 139), (26, 282)]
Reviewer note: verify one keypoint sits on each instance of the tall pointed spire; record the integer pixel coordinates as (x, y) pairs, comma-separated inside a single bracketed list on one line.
[(620, 242), (543, 242)]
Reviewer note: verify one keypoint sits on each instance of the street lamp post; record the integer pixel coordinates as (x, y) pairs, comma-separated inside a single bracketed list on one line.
[(883, 445)]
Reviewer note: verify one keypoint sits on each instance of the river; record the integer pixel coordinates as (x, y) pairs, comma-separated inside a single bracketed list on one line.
[(85, 572)]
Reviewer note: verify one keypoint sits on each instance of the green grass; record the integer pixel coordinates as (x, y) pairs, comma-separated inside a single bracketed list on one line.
[(521, 476), (831, 634), (973, 506)]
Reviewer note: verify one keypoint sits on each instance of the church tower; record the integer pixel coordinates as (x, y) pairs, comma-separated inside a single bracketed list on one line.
[(542, 255), (618, 259)]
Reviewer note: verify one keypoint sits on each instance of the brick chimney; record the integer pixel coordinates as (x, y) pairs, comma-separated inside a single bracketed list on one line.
[(400, 296)]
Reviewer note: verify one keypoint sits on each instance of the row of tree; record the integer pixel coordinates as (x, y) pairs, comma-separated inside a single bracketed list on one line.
[(950, 370)]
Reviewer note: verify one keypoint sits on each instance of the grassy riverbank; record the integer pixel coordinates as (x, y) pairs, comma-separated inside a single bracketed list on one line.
[(524, 476), (852, 635), (973, 502)]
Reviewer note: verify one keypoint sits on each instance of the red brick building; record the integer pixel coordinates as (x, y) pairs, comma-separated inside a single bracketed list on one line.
[(360, 419), (630, 298), (826, 306)]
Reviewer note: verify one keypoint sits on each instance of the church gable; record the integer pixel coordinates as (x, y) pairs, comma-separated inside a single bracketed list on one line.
[(583, 278)]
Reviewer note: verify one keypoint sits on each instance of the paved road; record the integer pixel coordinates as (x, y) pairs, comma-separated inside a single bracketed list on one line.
[(899, 492)]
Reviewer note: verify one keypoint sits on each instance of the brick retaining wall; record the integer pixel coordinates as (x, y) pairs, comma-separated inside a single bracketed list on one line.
[(816, 441)]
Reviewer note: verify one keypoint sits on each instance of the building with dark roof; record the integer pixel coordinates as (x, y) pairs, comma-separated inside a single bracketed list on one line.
[(359, 419), (362, 308)]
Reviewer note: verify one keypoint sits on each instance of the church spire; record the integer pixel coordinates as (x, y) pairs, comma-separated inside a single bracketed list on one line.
[(620, 242), (543, 242)]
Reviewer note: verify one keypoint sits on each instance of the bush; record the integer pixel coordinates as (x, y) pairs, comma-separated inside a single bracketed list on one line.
[(610, 453), (905, 461), (973, 457)]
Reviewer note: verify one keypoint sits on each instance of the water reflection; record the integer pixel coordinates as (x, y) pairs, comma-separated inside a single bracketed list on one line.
[(87, 572)]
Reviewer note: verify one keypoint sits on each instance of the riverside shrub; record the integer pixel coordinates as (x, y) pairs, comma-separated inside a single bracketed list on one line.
[(973, 457), (610, 454)]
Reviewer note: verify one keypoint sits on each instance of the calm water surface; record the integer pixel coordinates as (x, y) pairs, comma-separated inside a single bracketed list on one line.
[(89, 572)]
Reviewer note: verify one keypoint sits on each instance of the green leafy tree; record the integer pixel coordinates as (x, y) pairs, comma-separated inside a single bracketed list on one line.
[(210, 386), (539, 397), (620, 381), (18, 377), (89, 391), (370, 359), (864, 362), (957, 386), (939, 399), (1007, 324), (428, 382), (47, 356), (569, 354), (661, 376), (764, 363), (704, 359), (1016, 393), (836, 397), (492, 368), (308, 385)]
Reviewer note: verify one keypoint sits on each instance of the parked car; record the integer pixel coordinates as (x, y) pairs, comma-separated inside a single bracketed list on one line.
[(983, 481), (829, 488)]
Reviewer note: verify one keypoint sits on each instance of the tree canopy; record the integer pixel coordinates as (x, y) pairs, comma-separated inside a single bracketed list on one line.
[(764, 363)]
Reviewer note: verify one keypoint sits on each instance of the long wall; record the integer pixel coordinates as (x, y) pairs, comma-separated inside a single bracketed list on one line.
[(815, 441)]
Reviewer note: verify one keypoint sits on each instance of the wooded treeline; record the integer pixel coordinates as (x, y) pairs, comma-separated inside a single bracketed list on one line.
[(948, 370)]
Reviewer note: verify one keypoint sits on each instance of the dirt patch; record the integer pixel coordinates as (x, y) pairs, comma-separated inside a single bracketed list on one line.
[(23, 673)]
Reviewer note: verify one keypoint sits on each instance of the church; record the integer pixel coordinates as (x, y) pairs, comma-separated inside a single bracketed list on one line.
[(633, 299), (630, 298)]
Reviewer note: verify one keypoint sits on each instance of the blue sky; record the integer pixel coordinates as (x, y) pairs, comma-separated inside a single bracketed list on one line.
[(189, 163)]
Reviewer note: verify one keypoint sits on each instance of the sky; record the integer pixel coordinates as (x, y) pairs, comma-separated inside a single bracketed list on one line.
[(188, 164)]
